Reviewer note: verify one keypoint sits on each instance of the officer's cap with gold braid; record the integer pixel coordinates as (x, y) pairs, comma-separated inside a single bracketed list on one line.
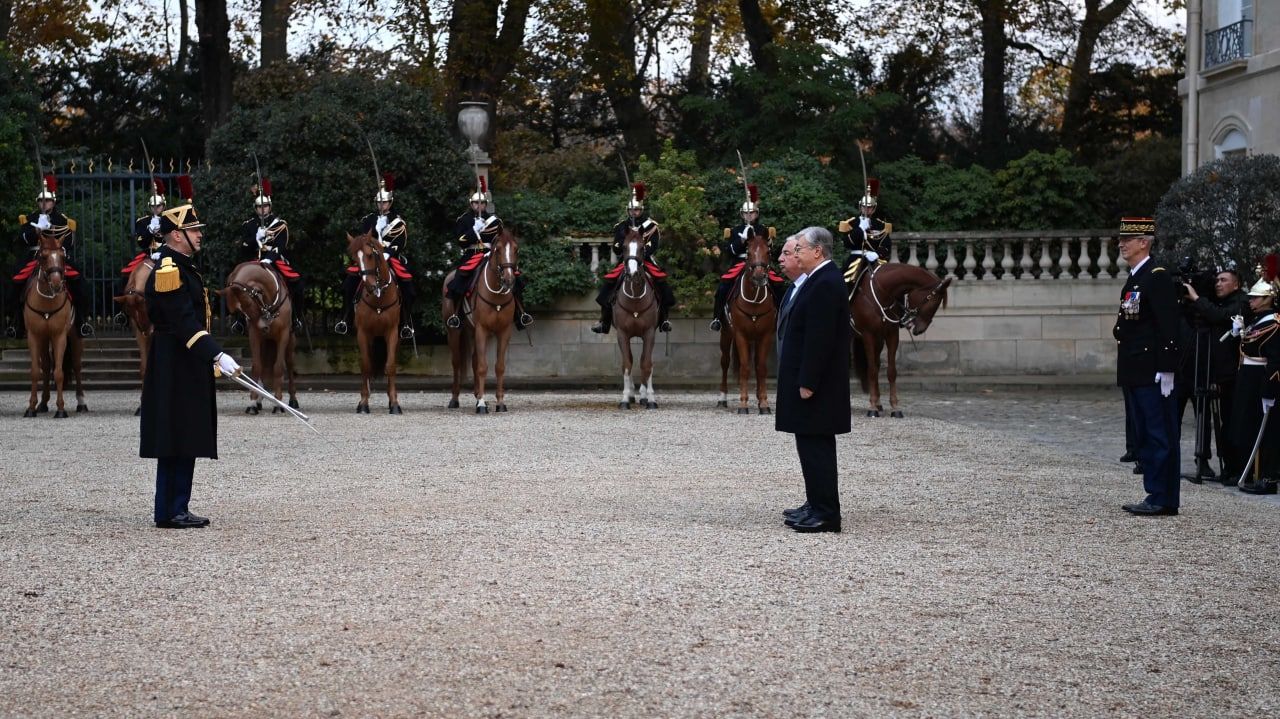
[(182, 217), (1138, 227)]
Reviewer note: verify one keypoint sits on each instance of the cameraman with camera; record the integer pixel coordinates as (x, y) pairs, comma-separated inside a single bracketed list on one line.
[(1207, 372)]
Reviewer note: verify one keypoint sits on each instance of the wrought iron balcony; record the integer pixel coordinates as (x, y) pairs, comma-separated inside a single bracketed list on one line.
[(1233, 42)]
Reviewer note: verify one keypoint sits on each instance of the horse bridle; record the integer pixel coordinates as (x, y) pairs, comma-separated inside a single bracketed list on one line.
[(42, 275), (271, 311), (909, 313), (378, 284)]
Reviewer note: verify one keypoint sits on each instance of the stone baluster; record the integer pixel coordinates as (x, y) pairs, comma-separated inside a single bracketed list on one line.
[(952, 263), (1086, 261), (1024, 263), (1121, 265), (912, 257), (988, 260), (595, 257), (1064, 259), (1044, 263), (970, 262), (931, 262)]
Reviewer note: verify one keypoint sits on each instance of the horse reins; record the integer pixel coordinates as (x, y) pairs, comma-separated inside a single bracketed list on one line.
[(909, 313), (379, 285)]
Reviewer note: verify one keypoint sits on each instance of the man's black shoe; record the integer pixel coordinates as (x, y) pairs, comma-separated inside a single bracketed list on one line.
[(1137, 468), (11, 332), (1229, 480), (186, 520), (665, 326), (1150, 510), (86, 330), (406, 332), (600, 328), (1128, 457), (797, 512), (524, 319), (297, 324), (237, 328), (810, 524), (1263, 488), (341, 327), (454, 322), (715, 325)]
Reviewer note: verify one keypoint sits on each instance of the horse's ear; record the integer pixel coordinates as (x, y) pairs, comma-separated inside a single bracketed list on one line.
[(946, 283)]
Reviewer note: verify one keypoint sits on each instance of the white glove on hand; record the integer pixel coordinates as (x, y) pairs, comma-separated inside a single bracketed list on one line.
[(1166, 383), (1267, 404), (154, 226), (226, 365), (386, 256), (478, 225), (265, 260), (1237, 325), (745, 232), (871, 256), (155, 256), (43, 222), (262, 234)]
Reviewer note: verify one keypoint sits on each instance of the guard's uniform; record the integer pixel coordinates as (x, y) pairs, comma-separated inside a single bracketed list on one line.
[(265, 239), (862, 234), (391, 230), (1146, 329), (649, 232), (1258, 379), (475, 233), (29, 231), (735, 248)]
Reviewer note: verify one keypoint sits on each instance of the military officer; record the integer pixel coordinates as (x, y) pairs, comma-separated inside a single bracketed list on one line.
[(735, 247), (1147, 328), (389, 227), (179, 412), (1258, 384), (866, 236), (264, 237), (475, 232), (637, 219), (46, 219), (146, 234)]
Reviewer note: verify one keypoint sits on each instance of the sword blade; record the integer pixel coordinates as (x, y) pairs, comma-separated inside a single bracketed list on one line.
[(252, 386), (1257, 443)]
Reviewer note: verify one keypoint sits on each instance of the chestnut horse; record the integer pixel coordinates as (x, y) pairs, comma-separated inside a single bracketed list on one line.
[(890, 296), (377, 317), (635, 314), (490, 310), (54, 344), (748, 334), (134, 301), (257, 292)]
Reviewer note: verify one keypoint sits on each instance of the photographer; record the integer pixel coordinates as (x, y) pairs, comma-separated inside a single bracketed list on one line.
[(1208, 369)]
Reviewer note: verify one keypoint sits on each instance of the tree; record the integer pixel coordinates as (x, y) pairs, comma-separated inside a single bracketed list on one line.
[(216, 68), (1097, 18), (482, 55), (274, 24), (760, 36), (611, 55)]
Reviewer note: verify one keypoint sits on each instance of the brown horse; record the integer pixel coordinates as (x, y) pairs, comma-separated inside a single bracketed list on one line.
[(259, 294), (887, 297), (377, 317), (635, 314), (490, 310), (748, 334), (54, 345), (134, 301)]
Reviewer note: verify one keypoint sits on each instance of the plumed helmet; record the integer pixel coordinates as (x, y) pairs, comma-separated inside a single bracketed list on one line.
[(48, 188), (753, 199), (638, 192), (871, 197), (482, 190), (386, 188), (157, 194), (262, 194), (1268, 284)]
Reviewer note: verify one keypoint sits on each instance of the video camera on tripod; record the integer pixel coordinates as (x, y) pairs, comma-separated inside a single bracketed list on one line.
[(1188, 272)]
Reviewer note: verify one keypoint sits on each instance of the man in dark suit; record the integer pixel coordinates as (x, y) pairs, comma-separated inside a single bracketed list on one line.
[(813, 377), (1147, 327)]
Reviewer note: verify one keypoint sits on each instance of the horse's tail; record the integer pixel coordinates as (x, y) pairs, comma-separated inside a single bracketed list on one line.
[(860, 363)]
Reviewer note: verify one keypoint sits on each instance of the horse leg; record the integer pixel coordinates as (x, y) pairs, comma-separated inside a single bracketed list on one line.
[(726, 355), (365, 341), (646, 368), (46, 372), (36, 350), (624, 346), (277, 367), (289, 367), (872, 346), (255, 355), (456, 342), (393, 348), (500, 368), (75, 362), (744, 369), (892, 373), (762, 372), (480, 363), (59, 374)]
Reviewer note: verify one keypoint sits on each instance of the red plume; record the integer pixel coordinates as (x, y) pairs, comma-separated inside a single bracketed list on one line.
[(753, 192), (389, 181), (52, 182), (266, 187), (1270, 267), (875, 186), (484, 186), (639, 190), (159, 187), (185, 189)]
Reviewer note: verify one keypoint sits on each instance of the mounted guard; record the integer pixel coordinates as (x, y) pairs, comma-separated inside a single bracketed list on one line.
[(264, 238), (475, 231), (637, 219), (46, 219), (736, 241), (866, 236), (393, 235)]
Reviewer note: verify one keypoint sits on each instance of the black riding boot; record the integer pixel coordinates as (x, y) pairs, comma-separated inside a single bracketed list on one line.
[(298, 297), (13, 304), (523, 319), (350, 283), (667, 301), (722, 299), (407, 295), (604, 298), (82, 304)]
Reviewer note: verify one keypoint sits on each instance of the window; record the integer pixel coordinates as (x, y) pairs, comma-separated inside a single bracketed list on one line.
[(1232, 143)]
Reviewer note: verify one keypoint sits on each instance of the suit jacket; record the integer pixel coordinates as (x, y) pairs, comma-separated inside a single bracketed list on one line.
[(1147, 326), (813, 352)]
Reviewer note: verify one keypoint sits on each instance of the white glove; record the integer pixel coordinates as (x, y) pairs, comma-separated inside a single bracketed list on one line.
[(1166, 383), (478, 225), (382, 224), (155, 256), (262, 234), (226, 365), (386, 256), (746, 230), (1237, 325), (1267, 404), (43, 222), (154, 226), (265, 260), (871, 256)]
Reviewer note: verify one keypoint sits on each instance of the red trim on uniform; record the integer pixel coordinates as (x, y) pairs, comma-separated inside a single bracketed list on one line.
[(734, 271), (133, 264), (473, 262), (654, 271), (28, 269), (398, 267), (283, 267)]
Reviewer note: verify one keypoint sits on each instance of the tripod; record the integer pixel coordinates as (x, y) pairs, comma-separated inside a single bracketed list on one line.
[(1208, 408)]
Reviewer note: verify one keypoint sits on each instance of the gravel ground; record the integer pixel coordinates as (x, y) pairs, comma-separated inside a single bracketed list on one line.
[(569, 559)]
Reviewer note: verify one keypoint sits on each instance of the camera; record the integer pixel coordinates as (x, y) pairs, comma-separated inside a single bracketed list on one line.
[(1188, 272)]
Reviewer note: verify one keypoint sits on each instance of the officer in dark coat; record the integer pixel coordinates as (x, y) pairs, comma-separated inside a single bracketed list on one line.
[(389, 227), (1258, 385), (735, 248), (179, 413), (475, 231), (813, 378), (264, 238), (46, 218), (637, 219), (866, 236), (1147, 328)]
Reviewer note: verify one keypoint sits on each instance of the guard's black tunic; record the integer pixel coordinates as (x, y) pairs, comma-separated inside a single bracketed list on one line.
[(179, 415), (143, 234)]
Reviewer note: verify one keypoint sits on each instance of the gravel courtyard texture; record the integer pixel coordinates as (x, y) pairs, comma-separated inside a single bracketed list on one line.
[(572, 560)]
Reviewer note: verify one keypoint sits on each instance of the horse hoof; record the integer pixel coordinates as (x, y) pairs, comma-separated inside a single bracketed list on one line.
[(251, 410), (29, 413), (873, 413), (82, 408), (362, 408), (276, 410), (879, 408), (482, 409), (743, 410), (500, 408), (137, 412), (766, 410), (60, 414), (896, 413), (395, 409), (624, 405), (723, 403), (453, 404), (258, 405), (294, 403), (42, 408), (651, 405)]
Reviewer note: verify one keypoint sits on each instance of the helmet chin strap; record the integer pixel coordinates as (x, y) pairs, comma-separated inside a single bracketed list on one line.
[(187, 239)]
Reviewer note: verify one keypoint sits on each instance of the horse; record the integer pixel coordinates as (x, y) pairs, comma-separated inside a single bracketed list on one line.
[(635, 314), (54, 344), (377, 315), (490, 310), (134, 301), (257, 292), (892, 296), (752, 322)]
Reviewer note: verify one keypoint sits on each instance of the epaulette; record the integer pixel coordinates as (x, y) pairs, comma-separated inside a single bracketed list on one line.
[(727, 233), (168, 278), (71, 224), (1158, 269), (773, 233), (22, 219), (846, 226)]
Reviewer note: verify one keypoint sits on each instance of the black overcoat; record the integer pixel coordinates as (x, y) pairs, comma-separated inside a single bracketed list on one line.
[(179, 415), (813, 347), (1147, 326)]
